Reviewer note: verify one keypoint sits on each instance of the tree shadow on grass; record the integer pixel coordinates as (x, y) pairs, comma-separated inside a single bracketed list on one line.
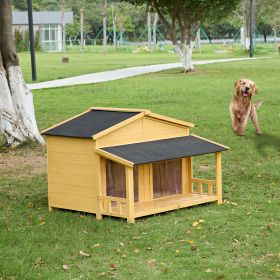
[(264, 141)]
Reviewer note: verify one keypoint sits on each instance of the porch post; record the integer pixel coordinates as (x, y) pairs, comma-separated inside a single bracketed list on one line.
[(129, 194), (218, 158), (185, 178), (186, 175), (101, 186), (190, 174)]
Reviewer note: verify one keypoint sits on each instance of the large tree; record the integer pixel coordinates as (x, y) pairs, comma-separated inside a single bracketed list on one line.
[(185, 17), (269, 17), (17, 117)]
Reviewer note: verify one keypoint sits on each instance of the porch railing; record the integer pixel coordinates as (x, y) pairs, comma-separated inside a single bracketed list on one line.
[(203, 186), (113, 206)]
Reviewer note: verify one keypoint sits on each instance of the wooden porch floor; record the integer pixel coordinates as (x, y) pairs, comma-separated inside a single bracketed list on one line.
[(164, 204), (170, 203)]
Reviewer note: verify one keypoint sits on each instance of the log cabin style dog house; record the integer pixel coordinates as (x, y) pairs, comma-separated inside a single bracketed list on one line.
[(127, 163)]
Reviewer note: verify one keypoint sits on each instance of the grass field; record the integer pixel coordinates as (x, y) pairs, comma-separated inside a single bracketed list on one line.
[(239, 239), (94, 59)]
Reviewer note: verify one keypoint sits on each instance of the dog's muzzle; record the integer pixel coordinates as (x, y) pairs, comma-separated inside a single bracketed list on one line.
[(245, 93)]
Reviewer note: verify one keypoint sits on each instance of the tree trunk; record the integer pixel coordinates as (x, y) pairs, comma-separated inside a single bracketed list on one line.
[(155, 31), (189, 65), (114, 20), (246, 23), (149, 20), (82, 28), (189, 50), (274, 34), (184, 52), (198, 41), (186, 57), (105, 25), (17, 116), (182, 55), (63, 26), (121, 38)]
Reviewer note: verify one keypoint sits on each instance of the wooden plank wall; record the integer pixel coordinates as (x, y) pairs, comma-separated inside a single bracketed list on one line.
[(145, 184), (72, 173), (145, 129)]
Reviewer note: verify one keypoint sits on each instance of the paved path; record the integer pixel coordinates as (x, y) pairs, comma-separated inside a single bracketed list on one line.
[(119, 74)]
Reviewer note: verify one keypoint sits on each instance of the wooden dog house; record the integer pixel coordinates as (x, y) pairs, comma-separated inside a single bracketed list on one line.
[(127, 163)]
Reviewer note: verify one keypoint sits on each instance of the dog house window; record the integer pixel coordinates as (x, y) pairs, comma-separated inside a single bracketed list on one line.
[(167, 178), (116, 182)]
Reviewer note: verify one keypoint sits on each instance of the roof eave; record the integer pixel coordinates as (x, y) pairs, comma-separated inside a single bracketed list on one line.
[(128, 162), (56, 125), (113, 157), (226, 147), (171, 120)]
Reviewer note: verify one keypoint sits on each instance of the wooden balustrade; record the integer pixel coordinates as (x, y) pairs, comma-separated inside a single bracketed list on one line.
[(113, 206), (200, 183)]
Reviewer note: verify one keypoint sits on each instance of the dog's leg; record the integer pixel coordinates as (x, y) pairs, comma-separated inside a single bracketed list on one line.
[(234, 120), (243, 123), (234, 123), (254, 118)]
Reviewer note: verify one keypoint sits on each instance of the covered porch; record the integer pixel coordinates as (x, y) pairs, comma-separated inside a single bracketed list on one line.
[(147, 178)]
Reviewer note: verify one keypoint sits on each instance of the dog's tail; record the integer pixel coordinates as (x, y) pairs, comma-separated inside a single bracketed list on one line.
[(258, 104)]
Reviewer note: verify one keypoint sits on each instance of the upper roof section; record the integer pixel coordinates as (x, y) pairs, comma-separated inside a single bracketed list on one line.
[(39, 18), (97, 122)]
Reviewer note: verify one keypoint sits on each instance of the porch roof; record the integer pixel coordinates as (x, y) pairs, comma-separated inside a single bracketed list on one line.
[(165, 149)]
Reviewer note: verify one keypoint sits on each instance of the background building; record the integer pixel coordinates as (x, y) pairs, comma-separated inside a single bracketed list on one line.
[(48, 24)]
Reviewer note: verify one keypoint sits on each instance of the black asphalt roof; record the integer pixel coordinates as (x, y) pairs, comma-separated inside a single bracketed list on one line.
[(166, 149), (90, 123)]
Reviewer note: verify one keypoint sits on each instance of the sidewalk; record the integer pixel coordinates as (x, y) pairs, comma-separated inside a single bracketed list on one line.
[(119, 74)]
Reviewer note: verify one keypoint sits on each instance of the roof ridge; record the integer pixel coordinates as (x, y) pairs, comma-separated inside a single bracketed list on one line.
[(124, 110)]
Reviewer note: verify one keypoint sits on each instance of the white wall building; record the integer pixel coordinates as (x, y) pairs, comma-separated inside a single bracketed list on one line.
[(49, 25)]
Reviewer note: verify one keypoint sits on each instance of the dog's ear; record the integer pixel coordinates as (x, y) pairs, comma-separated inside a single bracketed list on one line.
[(236, 83), (255, 89)]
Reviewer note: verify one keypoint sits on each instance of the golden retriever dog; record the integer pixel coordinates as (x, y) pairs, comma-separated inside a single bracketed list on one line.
[(242, 108)]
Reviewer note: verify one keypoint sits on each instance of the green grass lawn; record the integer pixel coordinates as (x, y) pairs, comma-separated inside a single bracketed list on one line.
[(93, 59), (239, 239)]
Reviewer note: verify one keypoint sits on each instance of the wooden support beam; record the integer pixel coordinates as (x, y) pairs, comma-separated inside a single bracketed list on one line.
[(151, 181), (210, 189), (218, 159), (48, 156), (129, 194), (187, 175), (103, 176), (141, 184), (185, 186), (100, 187), (190, 174), (200, 187)]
